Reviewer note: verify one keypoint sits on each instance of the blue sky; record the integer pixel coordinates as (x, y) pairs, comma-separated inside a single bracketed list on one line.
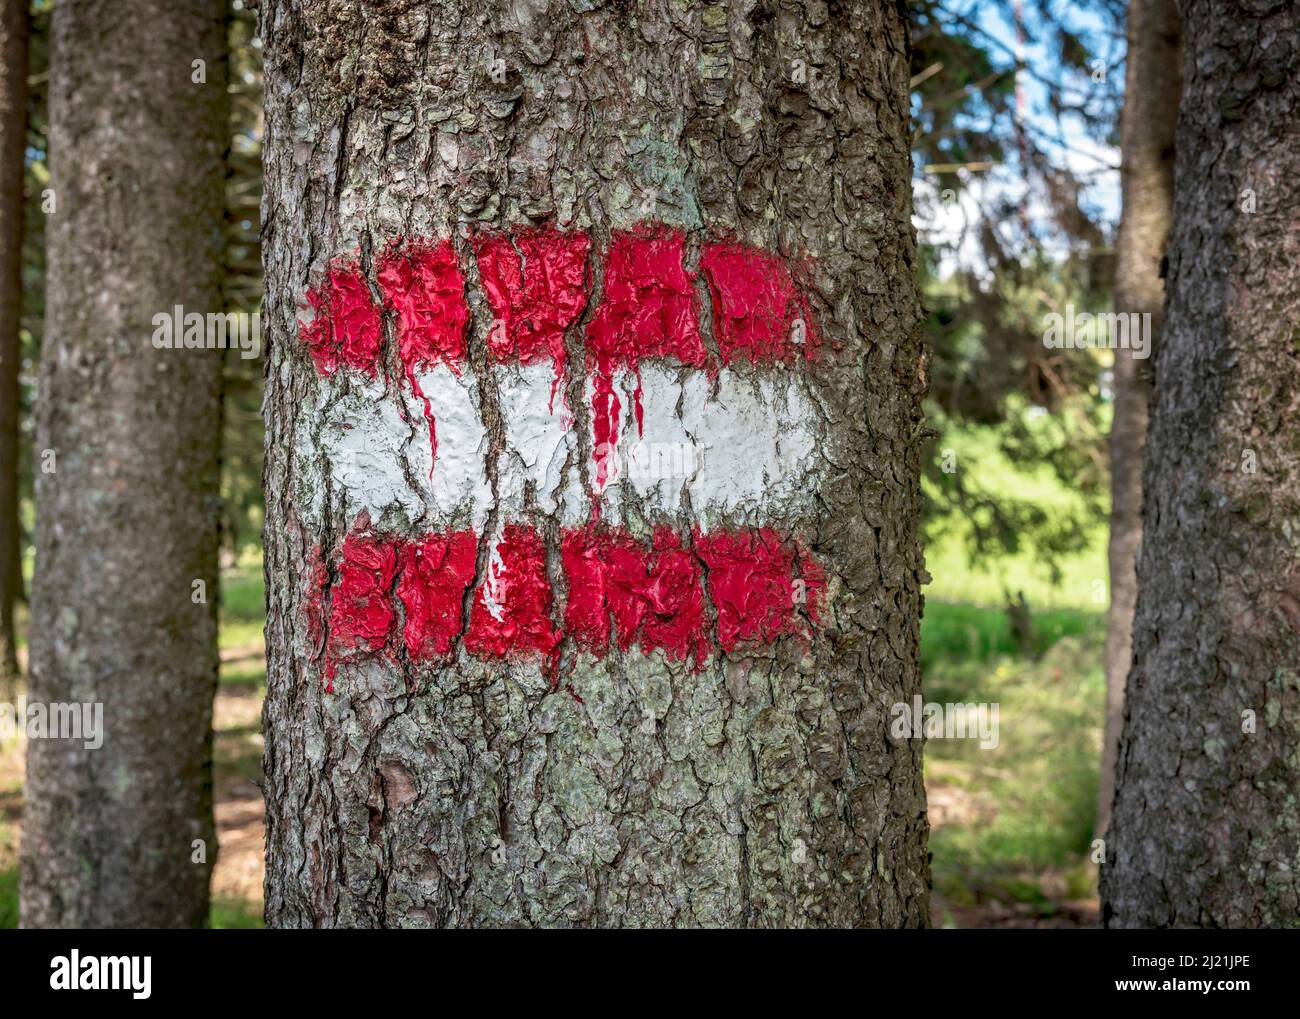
[(1066, 141)]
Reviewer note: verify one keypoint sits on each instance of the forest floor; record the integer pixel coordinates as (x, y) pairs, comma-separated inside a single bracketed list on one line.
[(1010, 825)]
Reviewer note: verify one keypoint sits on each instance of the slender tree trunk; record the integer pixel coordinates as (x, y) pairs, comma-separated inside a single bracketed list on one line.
[(13, 146), (515, 682), (1206, 819), (127, 486), (1152, 85)]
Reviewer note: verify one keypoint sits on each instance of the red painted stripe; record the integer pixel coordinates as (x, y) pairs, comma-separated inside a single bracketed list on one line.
[(434, 573), (763, 587), (361, 613), (536, 286), (758, 582), (653, 595), (523, 593), (648, 311), (675, 603), (759, 314), (345, 328), (586, 613), (422, 282), (649, 304)]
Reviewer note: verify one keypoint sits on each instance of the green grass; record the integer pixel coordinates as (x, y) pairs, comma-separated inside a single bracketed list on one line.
[(1015, 822), (234, 914), (1029, 802), (953, 632), (242, 593), (249, 673), (9, 899), (240, 637), (1083, 575)]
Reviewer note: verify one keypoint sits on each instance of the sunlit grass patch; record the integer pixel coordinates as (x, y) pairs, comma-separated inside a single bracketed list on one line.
[(8, 891), (235, 914), (243, 593), (953, 632), (249, 673), (1014, 823)]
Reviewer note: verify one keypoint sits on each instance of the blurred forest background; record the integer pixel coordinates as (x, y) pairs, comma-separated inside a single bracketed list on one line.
[(1016, 175)]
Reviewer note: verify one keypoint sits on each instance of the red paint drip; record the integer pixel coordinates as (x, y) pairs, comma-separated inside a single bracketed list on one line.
[(361, 616), (648, 311), (435, 571), (536, 285), (522, 593), (424, 285), (345, 328), (758, 311), (753, 585), (653, 595)]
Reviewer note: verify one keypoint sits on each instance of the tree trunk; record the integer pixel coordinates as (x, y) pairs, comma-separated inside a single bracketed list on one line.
[(1206, 820), (127, 479), (526, 680), (13, 147), (1152, 84)]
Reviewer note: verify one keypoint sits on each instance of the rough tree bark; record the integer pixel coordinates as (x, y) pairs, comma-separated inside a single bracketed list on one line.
[(1206, 822), (13, 146), (632, 788), (126, 520), (1152, 86)]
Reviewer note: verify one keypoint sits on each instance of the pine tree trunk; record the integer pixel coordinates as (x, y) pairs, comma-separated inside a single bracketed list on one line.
[(126, 519), (1206, 819), (1153, 82), (546, 769), (13, 146)]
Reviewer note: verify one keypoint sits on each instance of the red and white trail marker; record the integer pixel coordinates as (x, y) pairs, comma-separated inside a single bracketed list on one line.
[(716, 435)]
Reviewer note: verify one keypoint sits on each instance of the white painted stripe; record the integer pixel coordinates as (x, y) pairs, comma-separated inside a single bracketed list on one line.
[(539, 440), (740, 451), (375, 443), (743, 448)]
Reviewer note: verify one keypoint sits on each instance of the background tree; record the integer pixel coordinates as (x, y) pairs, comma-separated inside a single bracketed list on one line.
[(1206, 821), (126, 496), (241, 468), (13, 147), (477, 793), (1007, 167), (1153, 83)]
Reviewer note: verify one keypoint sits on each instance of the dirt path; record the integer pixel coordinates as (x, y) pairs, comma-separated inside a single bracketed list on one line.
[(238, 871)]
